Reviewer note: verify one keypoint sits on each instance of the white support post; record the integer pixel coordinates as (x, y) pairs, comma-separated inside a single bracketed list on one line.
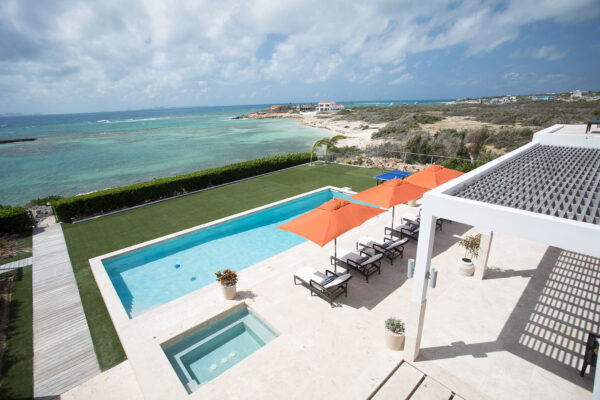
[(486, 245), (596, 393), (419, 293)]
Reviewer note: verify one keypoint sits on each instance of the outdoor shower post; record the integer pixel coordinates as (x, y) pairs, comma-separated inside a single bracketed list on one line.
[(418, 301)]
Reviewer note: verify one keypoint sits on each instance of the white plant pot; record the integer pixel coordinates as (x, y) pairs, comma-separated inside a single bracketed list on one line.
[(465, 267), (393, 341), (412, 203), (229, 292)]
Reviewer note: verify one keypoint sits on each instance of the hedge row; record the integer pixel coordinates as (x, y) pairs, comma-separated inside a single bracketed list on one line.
[(71, 208), (14, 219)]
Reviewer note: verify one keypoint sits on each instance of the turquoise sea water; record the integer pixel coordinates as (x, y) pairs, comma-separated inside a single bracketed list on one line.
[(158, 274), (80, 153)]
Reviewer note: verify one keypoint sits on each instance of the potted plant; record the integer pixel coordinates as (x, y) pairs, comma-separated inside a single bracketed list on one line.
[(394, 333), (228, 280), (472, 244)]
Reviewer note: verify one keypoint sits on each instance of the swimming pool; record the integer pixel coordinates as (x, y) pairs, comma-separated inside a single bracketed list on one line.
[(205, 354), (158, 274)]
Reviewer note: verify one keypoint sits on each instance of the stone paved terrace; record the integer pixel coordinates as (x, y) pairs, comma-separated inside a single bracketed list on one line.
[(517, 334)]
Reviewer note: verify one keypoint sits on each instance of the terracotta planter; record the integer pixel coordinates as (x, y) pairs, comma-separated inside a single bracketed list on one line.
[(465, 267), (229, 292), (394, 341)]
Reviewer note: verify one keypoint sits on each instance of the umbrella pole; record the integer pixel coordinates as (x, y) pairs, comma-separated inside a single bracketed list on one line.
[(393, 211), (335, 255)]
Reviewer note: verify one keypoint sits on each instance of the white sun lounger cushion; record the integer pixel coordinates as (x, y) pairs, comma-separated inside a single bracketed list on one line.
[(390, 244), (307, 274), (372, 259), (338, 281)]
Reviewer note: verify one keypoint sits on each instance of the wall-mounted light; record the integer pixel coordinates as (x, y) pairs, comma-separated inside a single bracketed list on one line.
[(432, 275), (410, 272)]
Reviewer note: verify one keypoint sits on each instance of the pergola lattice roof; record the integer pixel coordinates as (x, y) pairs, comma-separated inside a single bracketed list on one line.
[(558, 181)]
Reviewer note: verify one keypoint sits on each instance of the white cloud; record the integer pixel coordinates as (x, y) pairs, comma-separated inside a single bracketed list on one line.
[(397, 70), (72, 53), (550, 53), (401, 79)]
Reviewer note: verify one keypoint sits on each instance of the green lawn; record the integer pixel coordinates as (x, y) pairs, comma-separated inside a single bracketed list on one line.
[(89, 239), (24, 248), (17, 365)]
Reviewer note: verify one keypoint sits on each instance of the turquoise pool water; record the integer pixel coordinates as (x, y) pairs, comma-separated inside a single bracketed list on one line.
[(158, 274), (208, 353)]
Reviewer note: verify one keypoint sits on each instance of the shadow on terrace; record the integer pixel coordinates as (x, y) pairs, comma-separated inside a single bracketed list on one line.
[(550, 323)]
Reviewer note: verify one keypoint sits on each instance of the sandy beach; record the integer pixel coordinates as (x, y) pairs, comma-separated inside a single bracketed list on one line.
[(359, 133)]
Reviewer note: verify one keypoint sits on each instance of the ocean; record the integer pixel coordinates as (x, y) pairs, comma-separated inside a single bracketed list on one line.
[(80, 153)]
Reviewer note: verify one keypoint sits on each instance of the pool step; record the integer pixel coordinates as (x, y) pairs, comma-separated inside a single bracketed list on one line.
[(407, 382)]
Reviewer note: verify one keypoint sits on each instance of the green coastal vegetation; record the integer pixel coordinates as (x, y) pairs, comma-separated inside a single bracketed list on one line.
[(17, 362), (501, 128)]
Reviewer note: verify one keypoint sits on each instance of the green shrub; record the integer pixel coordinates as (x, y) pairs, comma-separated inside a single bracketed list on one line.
[(117, 198), (395, 325), (427, 118), (461, 165), (42, 201), (14, 219), (510, 138)]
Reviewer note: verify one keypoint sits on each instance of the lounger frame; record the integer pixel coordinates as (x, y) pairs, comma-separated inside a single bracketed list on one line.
[(365, 269), (329, 294), (390, 253)]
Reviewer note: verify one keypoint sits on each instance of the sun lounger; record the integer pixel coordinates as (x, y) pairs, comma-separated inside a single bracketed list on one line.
[(408, 229), (329, 285), (388, 247), (363, 262)]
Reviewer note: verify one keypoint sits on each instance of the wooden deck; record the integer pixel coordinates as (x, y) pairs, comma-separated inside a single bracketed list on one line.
[(63, 354), (15, 264)]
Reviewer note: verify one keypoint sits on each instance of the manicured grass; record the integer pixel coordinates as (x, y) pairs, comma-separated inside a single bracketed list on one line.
[(17, 365), (25, 244), (90, 239)]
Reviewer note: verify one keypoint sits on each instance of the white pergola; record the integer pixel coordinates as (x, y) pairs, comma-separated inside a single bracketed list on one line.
[(547, 191)]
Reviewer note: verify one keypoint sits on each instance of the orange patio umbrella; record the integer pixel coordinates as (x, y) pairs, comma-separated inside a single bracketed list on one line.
[(433, 176), (330, 220), (391, 193)]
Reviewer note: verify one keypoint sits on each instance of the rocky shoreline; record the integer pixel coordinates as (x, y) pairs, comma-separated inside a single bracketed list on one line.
[(17, 140), (268, 115)]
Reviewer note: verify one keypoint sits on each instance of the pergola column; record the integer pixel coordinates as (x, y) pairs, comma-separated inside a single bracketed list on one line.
[(486, 245), (418, 301)]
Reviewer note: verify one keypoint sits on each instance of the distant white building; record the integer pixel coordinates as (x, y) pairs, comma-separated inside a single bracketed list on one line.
[(577, 94), (329, 106)]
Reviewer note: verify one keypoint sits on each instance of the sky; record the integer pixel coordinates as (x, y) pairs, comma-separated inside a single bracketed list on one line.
[(85, 56)]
